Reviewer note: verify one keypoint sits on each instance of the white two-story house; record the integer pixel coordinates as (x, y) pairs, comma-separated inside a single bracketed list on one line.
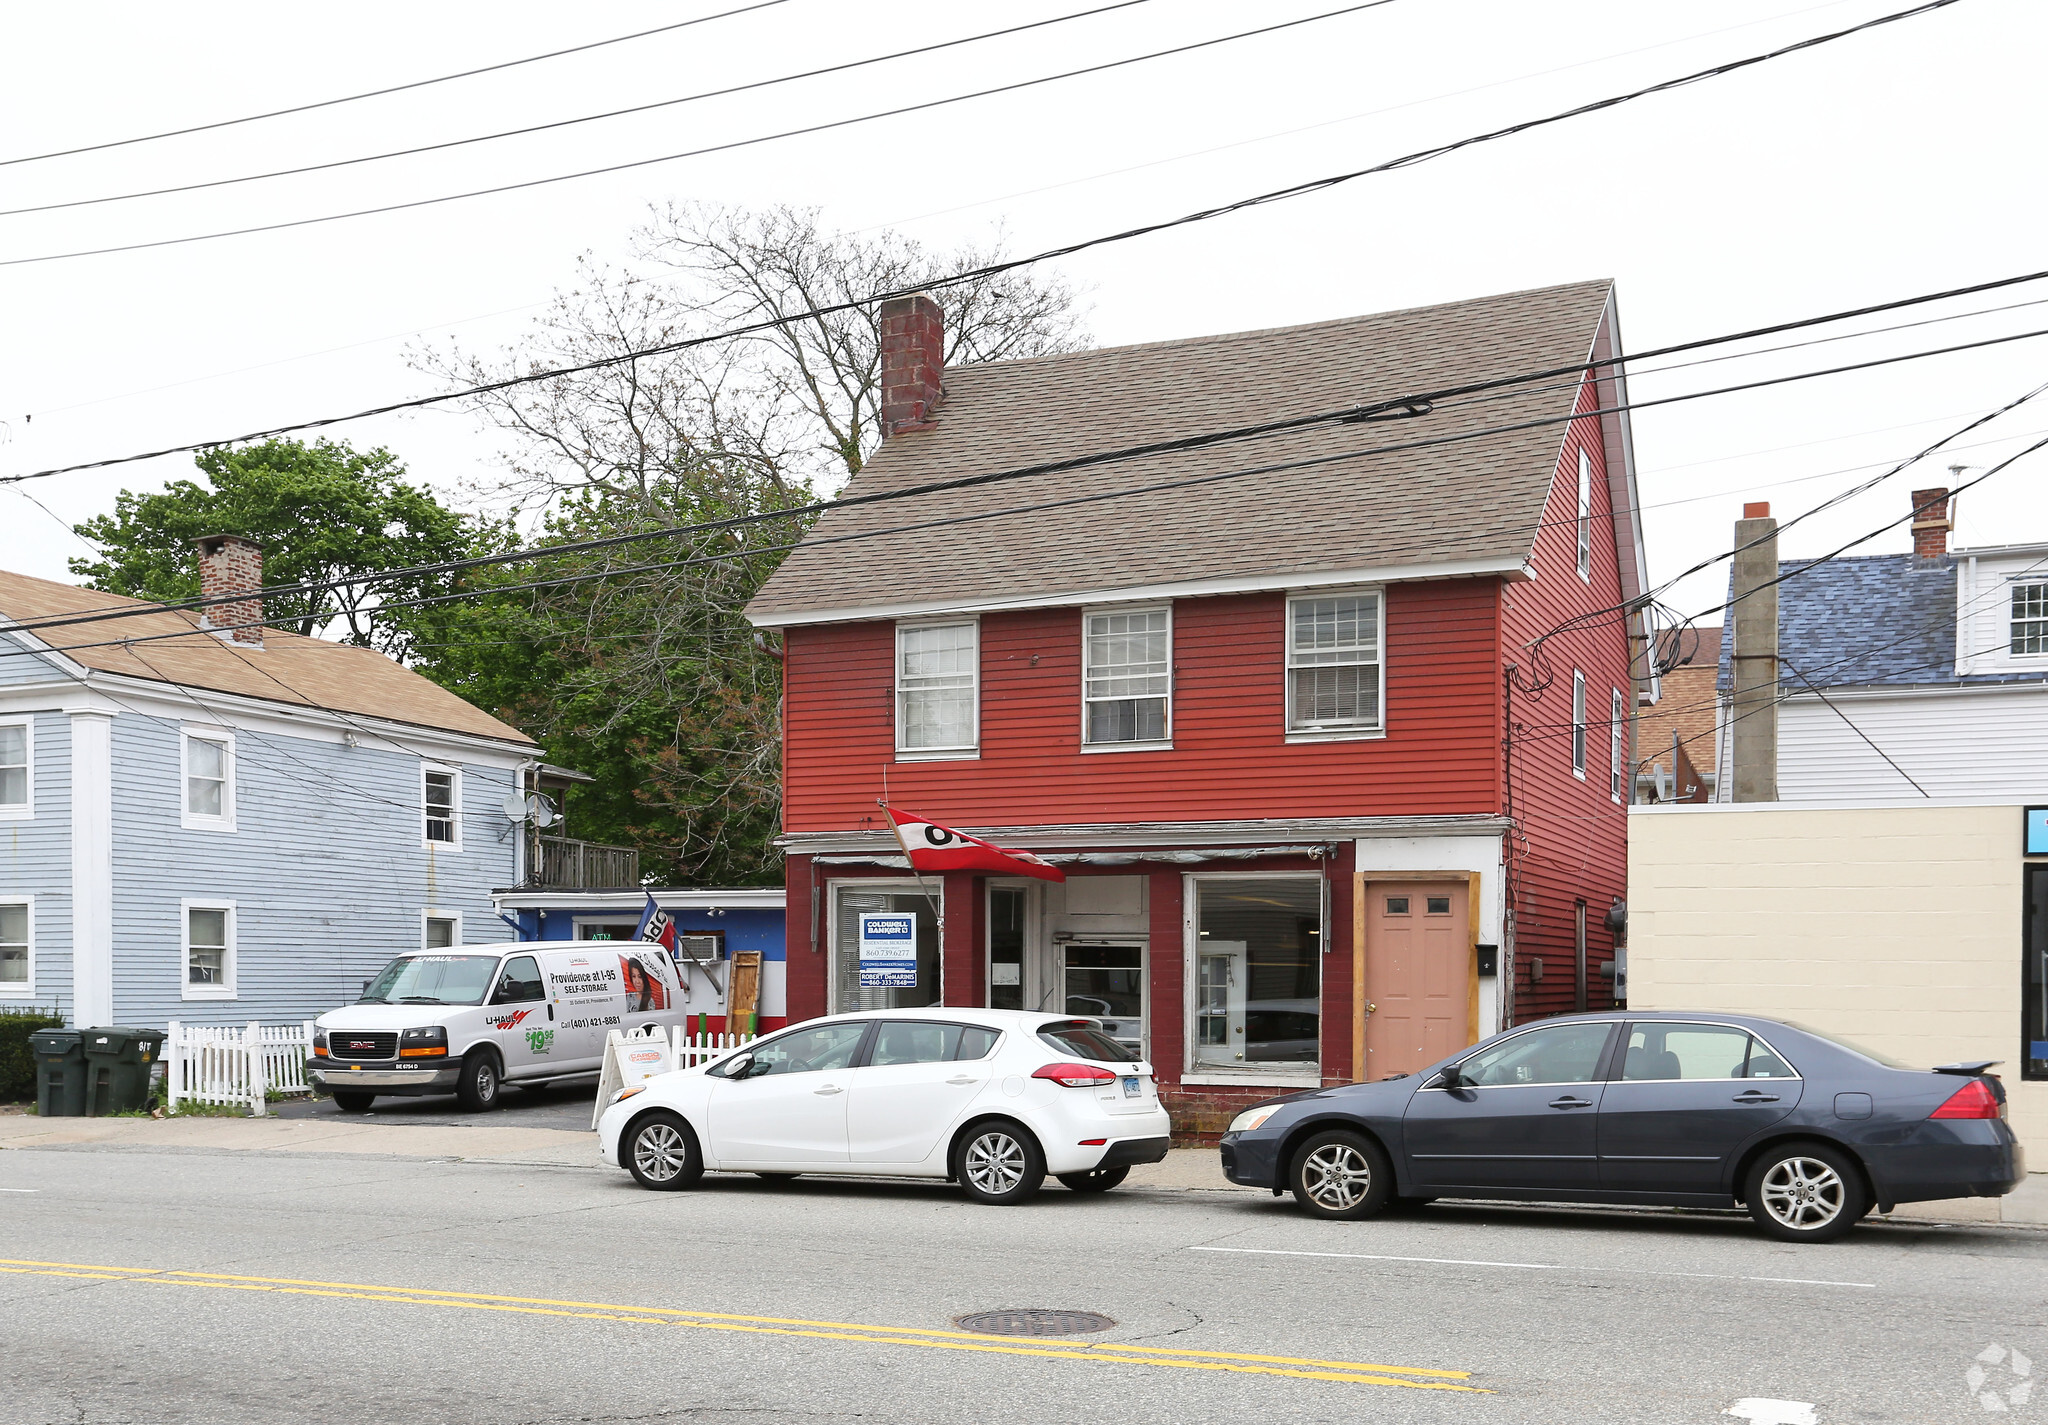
[(209, 820)]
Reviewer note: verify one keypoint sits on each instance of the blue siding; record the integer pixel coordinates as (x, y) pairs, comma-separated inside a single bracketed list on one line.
[(35, 854)]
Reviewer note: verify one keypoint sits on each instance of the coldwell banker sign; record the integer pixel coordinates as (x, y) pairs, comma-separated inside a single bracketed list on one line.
[(888, 951)]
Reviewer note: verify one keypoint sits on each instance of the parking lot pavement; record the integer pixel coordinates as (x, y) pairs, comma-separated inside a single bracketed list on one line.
[(209, 1286), (564, 1105)]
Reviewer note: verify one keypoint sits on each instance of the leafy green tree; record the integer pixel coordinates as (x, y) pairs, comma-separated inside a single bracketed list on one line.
[(321, 511)]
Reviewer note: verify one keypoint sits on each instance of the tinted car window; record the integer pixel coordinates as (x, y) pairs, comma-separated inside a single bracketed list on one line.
[(1560, 1054), (520, 982), (975, 1043), (1685, 1051), (809, 1051), (909, 1042), (1085, 1041)]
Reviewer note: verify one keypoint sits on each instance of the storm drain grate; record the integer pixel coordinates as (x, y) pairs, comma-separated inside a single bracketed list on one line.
[(1033, 1321)]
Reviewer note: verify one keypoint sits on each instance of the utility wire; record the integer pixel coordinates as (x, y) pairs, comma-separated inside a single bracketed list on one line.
[(607, 114), (713, 148), (392, 89)]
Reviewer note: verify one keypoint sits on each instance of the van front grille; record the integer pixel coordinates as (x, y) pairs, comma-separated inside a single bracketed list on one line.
[(353, 1044)]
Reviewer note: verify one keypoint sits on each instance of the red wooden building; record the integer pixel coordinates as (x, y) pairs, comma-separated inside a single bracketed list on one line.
[(1270, 703)]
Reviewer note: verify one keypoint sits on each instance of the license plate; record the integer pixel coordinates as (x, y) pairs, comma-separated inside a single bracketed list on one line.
[(1131, 1089)]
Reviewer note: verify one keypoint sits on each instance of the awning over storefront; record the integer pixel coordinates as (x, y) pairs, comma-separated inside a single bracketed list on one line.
[(1322, 851)]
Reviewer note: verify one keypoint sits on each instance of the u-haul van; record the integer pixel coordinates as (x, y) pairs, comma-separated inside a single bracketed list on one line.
[(469, 1020)]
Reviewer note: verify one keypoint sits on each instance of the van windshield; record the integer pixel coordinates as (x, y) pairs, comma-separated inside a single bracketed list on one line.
[(433, 979)]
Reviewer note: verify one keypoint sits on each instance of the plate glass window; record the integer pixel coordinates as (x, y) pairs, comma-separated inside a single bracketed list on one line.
[(2034, 977), (1333, 663), (1129, 676), (206, 778), (2030, 618), (206, 947), (848, 993), (936, 669), (1006, 908), (13, 947), (1585, 515), (1258, 973), (439, 793), (13, 765), (1578, 724)]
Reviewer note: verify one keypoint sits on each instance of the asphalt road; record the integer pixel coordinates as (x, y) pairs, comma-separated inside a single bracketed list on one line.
[(152, 1286), (565, 1105)]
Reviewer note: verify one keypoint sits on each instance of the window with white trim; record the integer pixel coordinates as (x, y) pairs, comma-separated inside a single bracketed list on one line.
[(1585, 515), (1127, 676), (209, 951), (1333, 663), (209, 771), (441, 807), (2030, 618), (938, 668), (17, 972), (1579, 725), (17, 782), (442, 932), (1617, 750)]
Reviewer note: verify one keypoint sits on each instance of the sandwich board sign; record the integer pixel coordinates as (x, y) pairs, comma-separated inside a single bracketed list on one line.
[(888, 950)]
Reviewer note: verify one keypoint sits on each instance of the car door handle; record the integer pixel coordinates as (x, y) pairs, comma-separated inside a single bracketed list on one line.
[(828, 1088), (963, 1081), (1569, 1102), (1756, 1096)]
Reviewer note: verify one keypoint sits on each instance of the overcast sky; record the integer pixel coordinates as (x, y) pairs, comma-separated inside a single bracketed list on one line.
[(1890, 163)]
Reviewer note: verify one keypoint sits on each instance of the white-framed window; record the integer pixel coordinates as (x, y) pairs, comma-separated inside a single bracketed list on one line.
[(1578, 724), (17, 949), (1617, 750), (1585, 515), (1127, 676), (17, 769), (858, 981), (1335, 675), (209, 949), (1254, 976), (441, 807), (2030, 618), (440, 929), (208, 767), (938, 675)]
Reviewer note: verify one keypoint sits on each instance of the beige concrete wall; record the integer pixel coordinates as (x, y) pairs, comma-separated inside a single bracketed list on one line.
[(1896, 926)]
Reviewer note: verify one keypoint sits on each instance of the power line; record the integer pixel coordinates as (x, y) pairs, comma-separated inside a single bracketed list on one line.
[(712, 148), (391, 89), (593, 118)]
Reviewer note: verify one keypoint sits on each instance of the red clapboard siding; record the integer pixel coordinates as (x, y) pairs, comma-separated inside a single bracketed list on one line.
[(1229, 760), (1575, 836)]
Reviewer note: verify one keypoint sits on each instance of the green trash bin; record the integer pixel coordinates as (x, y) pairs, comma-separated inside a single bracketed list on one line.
[(60, 1072), (118, 1065)]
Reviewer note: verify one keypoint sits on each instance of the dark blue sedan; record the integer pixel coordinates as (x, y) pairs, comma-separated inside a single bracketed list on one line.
[(1689, 1110)]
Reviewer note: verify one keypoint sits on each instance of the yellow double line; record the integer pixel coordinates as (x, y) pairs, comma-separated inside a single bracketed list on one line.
[(1115, 1353)]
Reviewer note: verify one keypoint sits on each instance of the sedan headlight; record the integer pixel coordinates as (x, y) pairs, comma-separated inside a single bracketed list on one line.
[(625, 1093), (1251, 1118)]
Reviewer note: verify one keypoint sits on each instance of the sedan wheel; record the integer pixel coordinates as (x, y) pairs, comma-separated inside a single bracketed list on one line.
[(661, 1153), (1000, 1164), (1805, 1192), (1341, 1175)]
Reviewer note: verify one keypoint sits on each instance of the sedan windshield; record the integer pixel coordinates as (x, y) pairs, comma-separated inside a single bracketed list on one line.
[(1084, 1041), (433, 979)]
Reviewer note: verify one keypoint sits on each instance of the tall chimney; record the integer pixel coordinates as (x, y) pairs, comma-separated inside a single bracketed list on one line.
[(1931, 523), (1753, 711), (913, 362), (231, 565)]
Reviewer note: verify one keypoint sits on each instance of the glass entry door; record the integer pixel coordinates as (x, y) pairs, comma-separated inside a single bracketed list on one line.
[(1106, 982)]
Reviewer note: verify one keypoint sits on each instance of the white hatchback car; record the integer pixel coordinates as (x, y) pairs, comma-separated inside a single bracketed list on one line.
[(991, 1099)]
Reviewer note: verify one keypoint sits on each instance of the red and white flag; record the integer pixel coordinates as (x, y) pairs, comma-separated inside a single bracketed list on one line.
[(932, 847)]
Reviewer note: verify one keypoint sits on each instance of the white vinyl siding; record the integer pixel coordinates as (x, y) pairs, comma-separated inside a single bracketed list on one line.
[(209, 780), (1579, 725), (17, 770), (1617, 749), (1127, 676), (1585, 521), (1334, 672), (441, 807), (209, 950), (17, 950), (938, 669)]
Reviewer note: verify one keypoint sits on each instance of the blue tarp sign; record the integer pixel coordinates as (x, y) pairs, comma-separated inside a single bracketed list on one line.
[(2037, 831), (888, 951)]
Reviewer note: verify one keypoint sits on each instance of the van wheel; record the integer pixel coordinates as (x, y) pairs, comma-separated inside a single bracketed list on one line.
[(353, 1102), (999, 1164), (661, 1153), (1096, 1179), (479, 1088), (1342, 1176), (1805, 1192)]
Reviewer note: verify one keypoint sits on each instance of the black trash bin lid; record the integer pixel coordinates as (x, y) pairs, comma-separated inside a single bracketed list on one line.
[(54, 1041)]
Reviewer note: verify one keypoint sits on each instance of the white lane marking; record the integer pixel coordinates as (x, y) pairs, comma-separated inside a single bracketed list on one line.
[(1759, 1411), (1530, 1266), (20, 1189)]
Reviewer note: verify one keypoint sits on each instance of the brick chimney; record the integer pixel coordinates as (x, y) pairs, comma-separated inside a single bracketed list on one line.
[(231, 565), (913, 362), (1931, 523)]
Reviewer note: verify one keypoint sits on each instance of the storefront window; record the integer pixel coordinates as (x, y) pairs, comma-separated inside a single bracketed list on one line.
[(1005, 948), (1258, 973), (2034, 977), (901, 968)]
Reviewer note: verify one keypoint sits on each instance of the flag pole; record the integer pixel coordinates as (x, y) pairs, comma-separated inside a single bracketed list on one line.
[(938, 910)]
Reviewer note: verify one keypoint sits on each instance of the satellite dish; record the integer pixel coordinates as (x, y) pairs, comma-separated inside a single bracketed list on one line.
[(544, 813), (515, 807)]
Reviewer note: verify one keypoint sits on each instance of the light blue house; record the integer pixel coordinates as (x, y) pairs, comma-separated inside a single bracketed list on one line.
[(219, 823)]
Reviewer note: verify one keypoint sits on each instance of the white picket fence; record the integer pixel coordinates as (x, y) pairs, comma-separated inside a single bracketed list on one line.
[(236, 1066), (631, 1055)]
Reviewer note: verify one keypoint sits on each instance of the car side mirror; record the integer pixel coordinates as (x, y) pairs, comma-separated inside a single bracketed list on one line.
[(741, 1067), (1451, 1076)]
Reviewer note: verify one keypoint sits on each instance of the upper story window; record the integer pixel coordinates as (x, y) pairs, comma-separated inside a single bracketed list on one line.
[(1579, 725), (1585, 515), (1333, 663), (1127, 676), (209, 779), (1617, 750), (441, 806), (938, 667), (16, 783), (2030, 618)]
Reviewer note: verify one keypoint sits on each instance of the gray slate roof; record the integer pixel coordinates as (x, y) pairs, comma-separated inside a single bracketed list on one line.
[(1477, 499)]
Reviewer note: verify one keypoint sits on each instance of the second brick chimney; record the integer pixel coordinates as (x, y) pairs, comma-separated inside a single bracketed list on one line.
[(1931, 523), (913, 362), (231, 565)]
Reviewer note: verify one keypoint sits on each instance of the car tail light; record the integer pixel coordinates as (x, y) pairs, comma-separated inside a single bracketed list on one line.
[(1973, 1100), (1075, 1076)]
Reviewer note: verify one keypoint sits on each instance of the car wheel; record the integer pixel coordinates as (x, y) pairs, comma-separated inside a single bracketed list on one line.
[(999, 1164), (1341, 1175), (1805, 1192), (1096, 1179), (778, 1177), (353, 1102), (480, 1087), (661, 1153)]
